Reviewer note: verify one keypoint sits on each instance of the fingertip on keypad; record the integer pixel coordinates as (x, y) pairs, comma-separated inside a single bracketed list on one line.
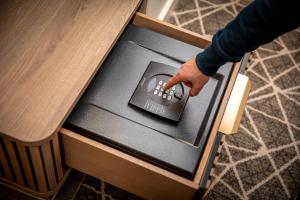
[(164, 94)]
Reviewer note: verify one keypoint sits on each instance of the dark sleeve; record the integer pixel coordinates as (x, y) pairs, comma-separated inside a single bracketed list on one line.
[(258, 23)]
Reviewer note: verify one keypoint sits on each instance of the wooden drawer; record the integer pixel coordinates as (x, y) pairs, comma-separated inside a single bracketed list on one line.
[(141, 177)]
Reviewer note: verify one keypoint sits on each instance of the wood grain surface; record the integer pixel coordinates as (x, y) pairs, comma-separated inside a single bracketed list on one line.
[(171, 30), (49, 51), (123, 170)]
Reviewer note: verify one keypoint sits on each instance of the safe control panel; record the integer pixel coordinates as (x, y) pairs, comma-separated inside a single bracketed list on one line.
[(150, 96)]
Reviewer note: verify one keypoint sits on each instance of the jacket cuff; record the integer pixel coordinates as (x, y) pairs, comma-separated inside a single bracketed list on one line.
[(209, 61)]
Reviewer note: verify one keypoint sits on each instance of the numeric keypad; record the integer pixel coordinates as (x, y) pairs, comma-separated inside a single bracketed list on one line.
[(166, 95)]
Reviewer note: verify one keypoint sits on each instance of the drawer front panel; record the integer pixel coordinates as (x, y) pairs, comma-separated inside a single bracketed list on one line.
[(123, 170)]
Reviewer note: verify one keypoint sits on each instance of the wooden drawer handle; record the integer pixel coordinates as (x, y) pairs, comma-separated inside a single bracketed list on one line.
[(236, 105)]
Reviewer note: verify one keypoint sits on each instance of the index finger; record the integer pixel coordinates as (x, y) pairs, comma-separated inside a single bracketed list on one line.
[(172, 81)]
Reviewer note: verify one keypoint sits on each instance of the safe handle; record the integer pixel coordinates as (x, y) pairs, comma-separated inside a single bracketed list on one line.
[(236, 105)]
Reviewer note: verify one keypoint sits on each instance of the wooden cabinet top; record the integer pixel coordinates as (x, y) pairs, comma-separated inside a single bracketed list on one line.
[(49, 52)]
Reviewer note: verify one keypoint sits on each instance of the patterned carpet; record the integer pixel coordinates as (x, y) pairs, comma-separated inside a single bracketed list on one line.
[(262, 161)]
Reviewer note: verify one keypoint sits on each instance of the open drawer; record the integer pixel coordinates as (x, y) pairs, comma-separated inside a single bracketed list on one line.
[(143, 178)]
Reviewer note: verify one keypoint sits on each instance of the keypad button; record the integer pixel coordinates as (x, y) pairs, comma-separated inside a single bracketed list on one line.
[(159, 94), (164, 96), (155, 92), (172, 92), (169, 97), (158, 87), (167, 91), (160, 82), (173, 88), (162, 89)]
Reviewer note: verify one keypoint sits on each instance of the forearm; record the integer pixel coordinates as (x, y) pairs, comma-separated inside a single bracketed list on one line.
[(259, 23)]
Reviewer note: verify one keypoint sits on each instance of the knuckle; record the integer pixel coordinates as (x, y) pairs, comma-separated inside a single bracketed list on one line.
[(177, 75), (197, 86)]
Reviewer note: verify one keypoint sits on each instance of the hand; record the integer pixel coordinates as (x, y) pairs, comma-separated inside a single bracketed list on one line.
[(191, 76)]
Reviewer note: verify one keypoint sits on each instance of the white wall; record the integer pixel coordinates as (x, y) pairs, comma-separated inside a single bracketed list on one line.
[(158, 8)]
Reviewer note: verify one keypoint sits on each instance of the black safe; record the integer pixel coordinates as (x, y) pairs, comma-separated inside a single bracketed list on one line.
[(150, 95), (121, 108)]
